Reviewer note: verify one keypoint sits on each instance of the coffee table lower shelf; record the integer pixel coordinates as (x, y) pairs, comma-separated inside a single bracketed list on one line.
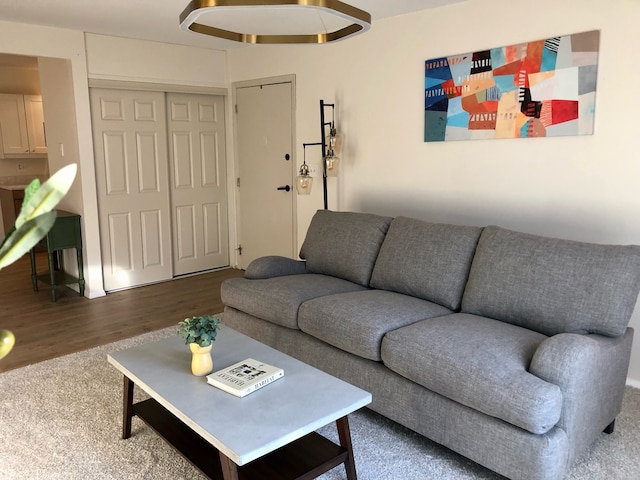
[(305, 458)]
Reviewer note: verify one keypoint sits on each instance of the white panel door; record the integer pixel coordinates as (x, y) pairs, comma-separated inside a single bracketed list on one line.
[(198, 182), (130, 144), (266, 168)]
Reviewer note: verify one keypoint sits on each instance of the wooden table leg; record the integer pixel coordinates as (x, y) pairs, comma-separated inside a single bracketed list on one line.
[(52, 276), (127, 410), (80, 270), (229, 468), (34, 273), (344, 433)]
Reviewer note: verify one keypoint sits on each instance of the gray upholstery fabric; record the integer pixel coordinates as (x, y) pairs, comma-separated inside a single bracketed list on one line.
[(478, 362), (344, 244), (274, 266), (499, 446), (277, 299), (551, 285), (591, 371), (357, 321), (426, 260)]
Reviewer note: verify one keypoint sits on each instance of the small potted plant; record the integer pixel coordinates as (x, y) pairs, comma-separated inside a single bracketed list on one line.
[(199, 332)]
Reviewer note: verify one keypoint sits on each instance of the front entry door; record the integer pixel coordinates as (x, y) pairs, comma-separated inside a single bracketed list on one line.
[(198, 182), (133, 188), (266, 165)]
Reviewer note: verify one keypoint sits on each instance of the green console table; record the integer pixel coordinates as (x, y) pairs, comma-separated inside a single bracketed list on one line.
[(65, 233)]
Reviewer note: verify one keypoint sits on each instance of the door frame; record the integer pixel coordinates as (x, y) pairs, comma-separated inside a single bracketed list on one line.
[(290, 78)]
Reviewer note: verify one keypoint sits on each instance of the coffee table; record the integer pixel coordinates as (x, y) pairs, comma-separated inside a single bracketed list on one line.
[(267, 434)]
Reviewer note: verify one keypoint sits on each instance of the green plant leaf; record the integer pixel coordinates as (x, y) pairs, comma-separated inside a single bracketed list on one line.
[(199, 329), (25, 238), (44, 199), (30, 190)]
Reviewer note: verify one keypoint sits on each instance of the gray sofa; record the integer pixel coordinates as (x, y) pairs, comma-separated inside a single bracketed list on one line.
[(508, 348)]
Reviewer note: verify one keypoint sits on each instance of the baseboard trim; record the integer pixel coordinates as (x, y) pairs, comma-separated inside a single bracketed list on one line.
[(633, 383)]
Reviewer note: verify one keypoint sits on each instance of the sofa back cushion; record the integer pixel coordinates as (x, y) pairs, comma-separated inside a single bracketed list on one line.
[(426, 260), (551, 285), (344, 244)]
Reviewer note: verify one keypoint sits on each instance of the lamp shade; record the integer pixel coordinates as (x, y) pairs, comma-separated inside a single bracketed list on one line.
[(332, 162), (304, 181)]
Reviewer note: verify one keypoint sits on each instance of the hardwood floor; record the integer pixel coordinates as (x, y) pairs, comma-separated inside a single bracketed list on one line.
[(45, 329)]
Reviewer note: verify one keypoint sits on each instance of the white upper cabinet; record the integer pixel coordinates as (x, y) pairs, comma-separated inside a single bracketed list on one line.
[(22, 125)]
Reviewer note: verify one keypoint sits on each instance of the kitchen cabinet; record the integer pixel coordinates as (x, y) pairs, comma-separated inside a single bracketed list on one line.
[(22, 126)]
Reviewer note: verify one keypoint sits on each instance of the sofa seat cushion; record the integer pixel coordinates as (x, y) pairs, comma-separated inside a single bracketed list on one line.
[(479, 362), (277, 299), (344, 244), (552, 285), (438, 263), (356, 322)]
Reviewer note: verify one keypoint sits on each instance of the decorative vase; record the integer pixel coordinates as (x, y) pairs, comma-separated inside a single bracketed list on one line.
[(201, 361)]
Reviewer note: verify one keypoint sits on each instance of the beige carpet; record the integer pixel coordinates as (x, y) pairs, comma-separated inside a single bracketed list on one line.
[(61, 419)]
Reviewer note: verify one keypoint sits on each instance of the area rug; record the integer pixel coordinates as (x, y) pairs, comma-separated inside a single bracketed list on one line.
[(61, 419)]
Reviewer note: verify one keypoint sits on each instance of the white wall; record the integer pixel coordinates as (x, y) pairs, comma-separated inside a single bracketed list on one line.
[(583, 188), (124, 59)]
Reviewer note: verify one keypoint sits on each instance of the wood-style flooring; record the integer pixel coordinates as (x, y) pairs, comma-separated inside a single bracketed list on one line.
[(46, 330)]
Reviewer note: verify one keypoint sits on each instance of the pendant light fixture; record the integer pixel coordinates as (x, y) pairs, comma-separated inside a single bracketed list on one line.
[(291, 21), (304, 182)]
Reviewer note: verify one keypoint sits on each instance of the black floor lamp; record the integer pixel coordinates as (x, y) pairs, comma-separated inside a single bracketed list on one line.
[(330, 160)]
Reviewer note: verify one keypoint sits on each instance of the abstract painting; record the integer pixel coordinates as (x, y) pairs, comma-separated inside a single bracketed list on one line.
[(545, 88)]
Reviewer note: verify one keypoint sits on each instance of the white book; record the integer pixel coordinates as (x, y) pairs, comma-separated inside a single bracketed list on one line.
[(244, 377)]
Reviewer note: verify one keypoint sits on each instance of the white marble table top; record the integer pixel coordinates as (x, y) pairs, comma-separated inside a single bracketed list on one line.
[(247, 428)]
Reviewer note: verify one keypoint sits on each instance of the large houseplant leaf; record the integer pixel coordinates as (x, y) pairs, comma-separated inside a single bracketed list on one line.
[(25, 238), (42, 199)]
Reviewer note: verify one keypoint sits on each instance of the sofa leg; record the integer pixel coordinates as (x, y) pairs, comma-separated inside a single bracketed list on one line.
[(610, 427)]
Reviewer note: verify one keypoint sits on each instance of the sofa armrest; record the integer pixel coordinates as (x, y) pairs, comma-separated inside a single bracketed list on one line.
[(591, 371), (274, 266)]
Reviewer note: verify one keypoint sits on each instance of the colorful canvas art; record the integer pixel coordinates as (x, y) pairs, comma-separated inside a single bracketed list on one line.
[(537, 89)]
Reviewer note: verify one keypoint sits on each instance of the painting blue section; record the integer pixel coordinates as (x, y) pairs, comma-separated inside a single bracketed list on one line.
[(505, 83), (437, 68), (435, 99), (498, 58), (460, 71), (549, 59), (455, 106), (460, 120), (435, 126), (457, 116), (524, 130), (430, 82)]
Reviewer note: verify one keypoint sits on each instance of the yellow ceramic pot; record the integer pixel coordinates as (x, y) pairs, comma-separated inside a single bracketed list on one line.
[(201, 361)]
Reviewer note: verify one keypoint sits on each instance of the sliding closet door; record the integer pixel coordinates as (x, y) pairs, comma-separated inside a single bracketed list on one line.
[(198, 182), (130, 142)]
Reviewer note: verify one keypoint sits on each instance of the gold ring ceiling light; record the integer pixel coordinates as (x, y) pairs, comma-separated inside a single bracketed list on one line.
[(338, 20)]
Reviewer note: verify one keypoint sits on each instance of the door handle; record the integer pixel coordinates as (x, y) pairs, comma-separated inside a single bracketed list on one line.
[(286, 188)]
